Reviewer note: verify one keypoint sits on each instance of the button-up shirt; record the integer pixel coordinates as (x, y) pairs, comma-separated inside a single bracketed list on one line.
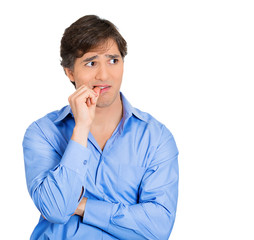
[(131, 186)]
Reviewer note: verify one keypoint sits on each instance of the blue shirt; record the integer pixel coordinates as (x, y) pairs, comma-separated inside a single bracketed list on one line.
[(131, 186)]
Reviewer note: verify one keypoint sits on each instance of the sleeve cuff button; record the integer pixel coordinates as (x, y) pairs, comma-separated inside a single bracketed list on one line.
[(85, 162)]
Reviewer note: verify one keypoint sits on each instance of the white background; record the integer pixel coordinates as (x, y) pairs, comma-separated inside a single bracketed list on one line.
[(189, 64)]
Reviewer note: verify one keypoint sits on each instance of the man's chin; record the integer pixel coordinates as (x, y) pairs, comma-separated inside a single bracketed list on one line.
[(103, 104)]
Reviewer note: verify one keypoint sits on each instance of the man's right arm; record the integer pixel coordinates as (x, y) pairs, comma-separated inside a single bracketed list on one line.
[(56, 183), (83, 105)]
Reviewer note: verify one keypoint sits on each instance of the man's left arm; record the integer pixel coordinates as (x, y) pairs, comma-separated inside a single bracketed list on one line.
[(153, 216)]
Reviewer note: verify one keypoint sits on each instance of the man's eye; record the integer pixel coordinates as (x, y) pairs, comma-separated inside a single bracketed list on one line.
[(90, 64), (113, 61)]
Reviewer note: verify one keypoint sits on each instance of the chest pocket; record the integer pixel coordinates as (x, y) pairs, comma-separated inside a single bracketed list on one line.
[(128, 182)]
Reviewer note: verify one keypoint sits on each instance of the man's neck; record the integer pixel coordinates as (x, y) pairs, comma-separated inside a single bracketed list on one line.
[(107, 118)]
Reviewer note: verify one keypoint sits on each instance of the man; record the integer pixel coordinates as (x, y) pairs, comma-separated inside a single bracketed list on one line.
[(99, 168)]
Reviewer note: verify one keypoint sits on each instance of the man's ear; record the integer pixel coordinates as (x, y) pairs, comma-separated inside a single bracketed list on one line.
[(69, 74)]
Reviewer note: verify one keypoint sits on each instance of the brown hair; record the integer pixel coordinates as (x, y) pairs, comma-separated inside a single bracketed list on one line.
[(87, 33)]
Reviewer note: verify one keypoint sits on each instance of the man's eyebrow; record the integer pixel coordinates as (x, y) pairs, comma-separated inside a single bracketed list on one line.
[(111, 56), (89, 59)]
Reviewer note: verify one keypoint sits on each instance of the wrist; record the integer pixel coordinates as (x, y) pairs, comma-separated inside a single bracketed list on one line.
[(80, 135), (81, 207), (81, 129)]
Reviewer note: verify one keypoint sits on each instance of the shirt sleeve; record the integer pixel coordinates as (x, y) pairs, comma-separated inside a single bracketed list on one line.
[(154, 215), (54, 182)]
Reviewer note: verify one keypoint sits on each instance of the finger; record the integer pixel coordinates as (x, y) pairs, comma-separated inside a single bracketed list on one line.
[(83, 90), (88, 102), (80, 88), (97, 91), (78, 91), (86, 98), (83, 95), (93, 101)]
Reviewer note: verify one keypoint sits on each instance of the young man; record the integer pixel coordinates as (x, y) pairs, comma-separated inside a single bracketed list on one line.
[(99, 168)]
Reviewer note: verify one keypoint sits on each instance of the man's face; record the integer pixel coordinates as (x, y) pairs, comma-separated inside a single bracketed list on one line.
[(103, 67)]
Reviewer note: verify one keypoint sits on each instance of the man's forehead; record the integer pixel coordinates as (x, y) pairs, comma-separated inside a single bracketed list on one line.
[(108, 46)]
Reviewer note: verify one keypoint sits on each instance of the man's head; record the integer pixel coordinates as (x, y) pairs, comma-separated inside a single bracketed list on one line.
[(92, 52), (87, 33)]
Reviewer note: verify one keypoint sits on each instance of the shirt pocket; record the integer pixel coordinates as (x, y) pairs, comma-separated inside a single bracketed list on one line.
[(128, 182)]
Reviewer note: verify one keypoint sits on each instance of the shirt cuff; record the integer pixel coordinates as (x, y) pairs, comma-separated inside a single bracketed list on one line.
[(98, 213), (76, 157)]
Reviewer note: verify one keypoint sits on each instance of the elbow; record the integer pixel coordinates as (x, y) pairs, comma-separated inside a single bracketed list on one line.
[(53, 214), (51, 210), (168, 224), (163, 227), (55, 218)]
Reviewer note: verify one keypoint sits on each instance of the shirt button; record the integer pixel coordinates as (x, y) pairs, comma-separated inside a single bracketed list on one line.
[(85, 162)]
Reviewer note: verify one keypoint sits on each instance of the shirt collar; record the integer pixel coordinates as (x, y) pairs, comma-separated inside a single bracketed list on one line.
[(128, 111), (63, 113)]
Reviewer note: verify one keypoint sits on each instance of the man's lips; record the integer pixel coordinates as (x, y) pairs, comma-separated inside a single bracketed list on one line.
[(101, 86)]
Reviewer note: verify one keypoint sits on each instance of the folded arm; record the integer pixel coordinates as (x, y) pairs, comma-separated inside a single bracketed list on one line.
[(154, 214), (56, 183)]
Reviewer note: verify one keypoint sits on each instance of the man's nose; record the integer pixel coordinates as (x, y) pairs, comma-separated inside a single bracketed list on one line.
[(102, 73)]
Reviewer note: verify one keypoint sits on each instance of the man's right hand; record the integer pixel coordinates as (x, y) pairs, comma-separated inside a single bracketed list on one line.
[(83, 104)]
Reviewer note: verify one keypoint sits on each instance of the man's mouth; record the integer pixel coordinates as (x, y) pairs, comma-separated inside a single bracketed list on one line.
[(101, 86)]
